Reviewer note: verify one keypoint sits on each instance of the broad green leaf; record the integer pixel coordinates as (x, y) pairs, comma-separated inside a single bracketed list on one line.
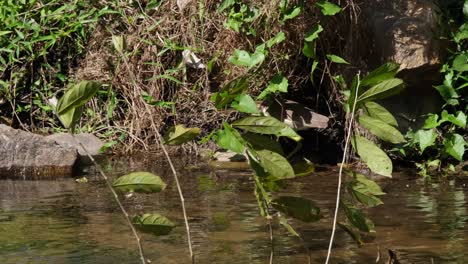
[(382, 90), (297, 207), (245, 59), (280, 37), (384, 72), (230, 139), (459, 120), (259, 142), (313, 34), (179, 134), (292, 13), (225, 5), (259, 171), (144, 182), (328, 8), (336, 59), (357, 218), (381, 129), (266, 125), (455, 146), (375, 158), (153, 223), (377, 111), (460, 63), (449, 94), (276, 165), (309, 49), (284, 222), (303, 168), (71, 118), (355, 235), (229, 92), (432, 121), (425, 138), (77, 96), (244, 103), (366, 185), (366, 198), (279, 83)]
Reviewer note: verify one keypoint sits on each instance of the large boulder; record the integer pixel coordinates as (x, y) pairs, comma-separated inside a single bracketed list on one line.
[(24, 155), (92, 144)]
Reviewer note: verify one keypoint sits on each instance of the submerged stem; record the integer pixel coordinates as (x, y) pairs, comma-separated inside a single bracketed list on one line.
[(338, 192), (116, 197)]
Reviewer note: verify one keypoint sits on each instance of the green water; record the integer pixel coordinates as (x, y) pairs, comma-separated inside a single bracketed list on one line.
[(63, 221)]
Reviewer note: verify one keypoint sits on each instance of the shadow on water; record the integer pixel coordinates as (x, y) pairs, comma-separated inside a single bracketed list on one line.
[(67, 222)]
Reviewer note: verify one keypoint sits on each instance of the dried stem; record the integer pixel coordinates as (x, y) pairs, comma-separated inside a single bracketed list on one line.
[(182, 200), (338, 192), (271, 239), (116, 197)]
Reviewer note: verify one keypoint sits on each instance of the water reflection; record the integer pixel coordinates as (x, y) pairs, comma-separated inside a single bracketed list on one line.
[(66, 222)]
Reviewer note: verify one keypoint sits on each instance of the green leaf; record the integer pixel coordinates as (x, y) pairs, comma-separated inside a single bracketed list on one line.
[(328, 8), (381, 90), (377, 111), (279, 83), (381, 129), (266, 125), (459, 120), (280, 37), (259, 142), (366, 190), (425, 138), (465, 8), (153, 223), (297, 207), (357, 218), (355, 235), (245, 59), (460, 63), (377, 161), (71, 118), (77, 96), (244, 103), (276, 165), (313, 34), (292, 13), (309, 49), (303, 168), (119, 43), (382, 73), (455, 146), (144, 182), (230, 139), (229, 92), (179, 134), (336, 59), (284, 222), (431, 121), (448, 93), (225, 5)]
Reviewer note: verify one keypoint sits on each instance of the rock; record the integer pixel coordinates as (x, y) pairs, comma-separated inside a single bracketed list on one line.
[(296, 115), (92, 144), (24, 154), (228, 156)]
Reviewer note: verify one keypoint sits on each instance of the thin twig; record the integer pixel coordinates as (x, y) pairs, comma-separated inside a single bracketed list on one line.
[(271, 239), (182, 200), (338, 192), (116, 197)]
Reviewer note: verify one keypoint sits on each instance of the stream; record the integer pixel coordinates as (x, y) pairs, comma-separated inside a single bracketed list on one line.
[(63, 221)]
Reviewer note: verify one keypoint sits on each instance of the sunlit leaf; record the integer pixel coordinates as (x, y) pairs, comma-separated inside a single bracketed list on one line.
[(245, 59), (119, 43), (297, 207), (459, 120), (382, 90), (141, 181), (71, 118), (276, 165), (375, 110), (278, 38), (244, 103), (225, 5), (374, 157), (292, 13), (279, 83), (382, 73), (455, 146), (425, 138), (153, 223), (460, 63), (179, 134), (381, 129), (229, 92), (432, 121), (313, 34), (336, 59), (266, 125), (328, 8), (230, 139), (303, 168), (77, 96)]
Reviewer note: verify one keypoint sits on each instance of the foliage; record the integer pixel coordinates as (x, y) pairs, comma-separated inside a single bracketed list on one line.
[(143, 182)]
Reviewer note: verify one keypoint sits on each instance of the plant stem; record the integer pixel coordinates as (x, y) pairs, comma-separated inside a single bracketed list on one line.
[(182, 200), (271, 238), (116, 197), (340, 174)]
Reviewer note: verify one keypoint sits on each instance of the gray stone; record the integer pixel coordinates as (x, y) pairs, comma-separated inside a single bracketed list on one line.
[(24, 154), (92, 144)]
